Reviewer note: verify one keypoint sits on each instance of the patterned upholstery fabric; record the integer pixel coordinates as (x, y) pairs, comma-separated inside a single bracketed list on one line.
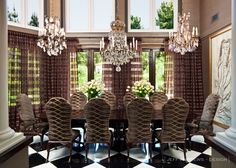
[(139, 113), (129, 96), (58, 111), (209, 111), (28, 123), (78, 101), (158, 99), (97, 114), (110, 98), (175, 113), (204, 125)]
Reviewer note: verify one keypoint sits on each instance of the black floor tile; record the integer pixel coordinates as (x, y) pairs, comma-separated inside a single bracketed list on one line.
[(119, 161), (36, 159)]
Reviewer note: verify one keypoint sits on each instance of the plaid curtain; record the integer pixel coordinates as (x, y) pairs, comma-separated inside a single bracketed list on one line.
[(24, 59), (188, 81)]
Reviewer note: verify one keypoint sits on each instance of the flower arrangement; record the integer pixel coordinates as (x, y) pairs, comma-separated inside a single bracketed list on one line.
[(93, 88), (142, 88)]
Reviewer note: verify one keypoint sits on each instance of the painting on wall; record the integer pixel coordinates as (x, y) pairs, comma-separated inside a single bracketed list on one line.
[(220, 54)]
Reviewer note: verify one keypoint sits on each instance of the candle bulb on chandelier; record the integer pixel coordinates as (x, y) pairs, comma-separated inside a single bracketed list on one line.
[(196, 31), (193, 32), (100, 45), (136, 44), (133, 43)]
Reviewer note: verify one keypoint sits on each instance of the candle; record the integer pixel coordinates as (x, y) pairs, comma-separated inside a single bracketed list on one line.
[(196, 31), (193, 32), (133, 43), (136, 44)]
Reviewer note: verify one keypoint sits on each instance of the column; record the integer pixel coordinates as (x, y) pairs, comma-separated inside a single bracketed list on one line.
[(7, 136), (228, 138)]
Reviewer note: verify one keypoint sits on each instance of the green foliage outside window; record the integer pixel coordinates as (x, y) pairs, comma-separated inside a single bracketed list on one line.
[(160, 73), (135, 22), (82, 63), (34, 20), (97, 66), (165, 16), (13, 16), (145, 65)]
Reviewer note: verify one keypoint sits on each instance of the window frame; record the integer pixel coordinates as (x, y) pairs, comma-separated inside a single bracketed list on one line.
[(152, 18), (24, 16), (90, 15)]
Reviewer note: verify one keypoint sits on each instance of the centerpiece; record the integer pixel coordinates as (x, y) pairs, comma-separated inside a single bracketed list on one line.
[(142, 88), (93, 88)]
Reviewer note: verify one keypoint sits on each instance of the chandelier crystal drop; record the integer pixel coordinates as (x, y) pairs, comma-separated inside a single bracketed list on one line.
[(116, 51), (52, 37), (183, 40)]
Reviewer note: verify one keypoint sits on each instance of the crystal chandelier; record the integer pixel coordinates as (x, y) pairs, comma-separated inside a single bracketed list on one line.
[(183, 40), (116, 51), (52, 37)]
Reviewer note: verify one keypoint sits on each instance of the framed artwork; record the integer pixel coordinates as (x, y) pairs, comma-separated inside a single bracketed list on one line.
[(220, 72)]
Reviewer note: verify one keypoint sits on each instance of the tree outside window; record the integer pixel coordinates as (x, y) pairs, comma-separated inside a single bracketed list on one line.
[(34, 20), (165, 16)]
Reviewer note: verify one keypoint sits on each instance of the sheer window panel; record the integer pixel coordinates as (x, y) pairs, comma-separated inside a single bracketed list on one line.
[(14, 12)]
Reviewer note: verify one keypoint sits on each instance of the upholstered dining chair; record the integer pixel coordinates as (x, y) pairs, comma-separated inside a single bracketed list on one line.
[(110, 98), (139, 114), (97, 114), (203, 126), (175, 113), (58, 111), (78, 101), (158, 99), (128, 97), (29, 124)]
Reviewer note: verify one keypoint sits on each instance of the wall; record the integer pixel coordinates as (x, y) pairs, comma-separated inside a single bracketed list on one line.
[(208, 8)]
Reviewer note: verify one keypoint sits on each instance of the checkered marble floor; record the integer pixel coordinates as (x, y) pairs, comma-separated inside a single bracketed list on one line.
[(198, 157)]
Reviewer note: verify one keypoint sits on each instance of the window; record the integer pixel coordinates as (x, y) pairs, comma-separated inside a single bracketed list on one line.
[(85, 66), (89, 15), (25, 13), (152, 15), (153, 65)]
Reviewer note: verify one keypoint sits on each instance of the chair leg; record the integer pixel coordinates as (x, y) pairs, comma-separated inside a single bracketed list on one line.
[(70, 145), (48, 151), (184, 151), (162, 150), (86, 152), (190, 143), (150, 151), (128, 145), (109, 149)]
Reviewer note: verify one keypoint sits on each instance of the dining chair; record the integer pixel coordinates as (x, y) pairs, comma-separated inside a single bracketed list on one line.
[(139, 114), (58, 111), (158, 99), (78, 101), (29, 123), (204, 125), (128, 97), (97, 114), (175, 113), (110, 98)]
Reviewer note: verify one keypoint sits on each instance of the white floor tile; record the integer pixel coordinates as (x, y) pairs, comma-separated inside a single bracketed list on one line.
[(31, 150), (94, 165), (143, 165), (139, 154), (45, 165), (58, 153), (36, 139), (179, 154), (208, 151), (100, 154), (190, 165)]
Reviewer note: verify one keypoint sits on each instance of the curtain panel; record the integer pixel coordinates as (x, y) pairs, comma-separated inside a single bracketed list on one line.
[(188, 81)]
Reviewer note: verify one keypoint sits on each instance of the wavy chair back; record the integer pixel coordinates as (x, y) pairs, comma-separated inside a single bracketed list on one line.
[(110, 98), (158, 99), (97, 114), (139, 114), (25, 109), (175, 113), (209, 110), (29, 124), (129, 96), (58, 111), (78, 101)]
